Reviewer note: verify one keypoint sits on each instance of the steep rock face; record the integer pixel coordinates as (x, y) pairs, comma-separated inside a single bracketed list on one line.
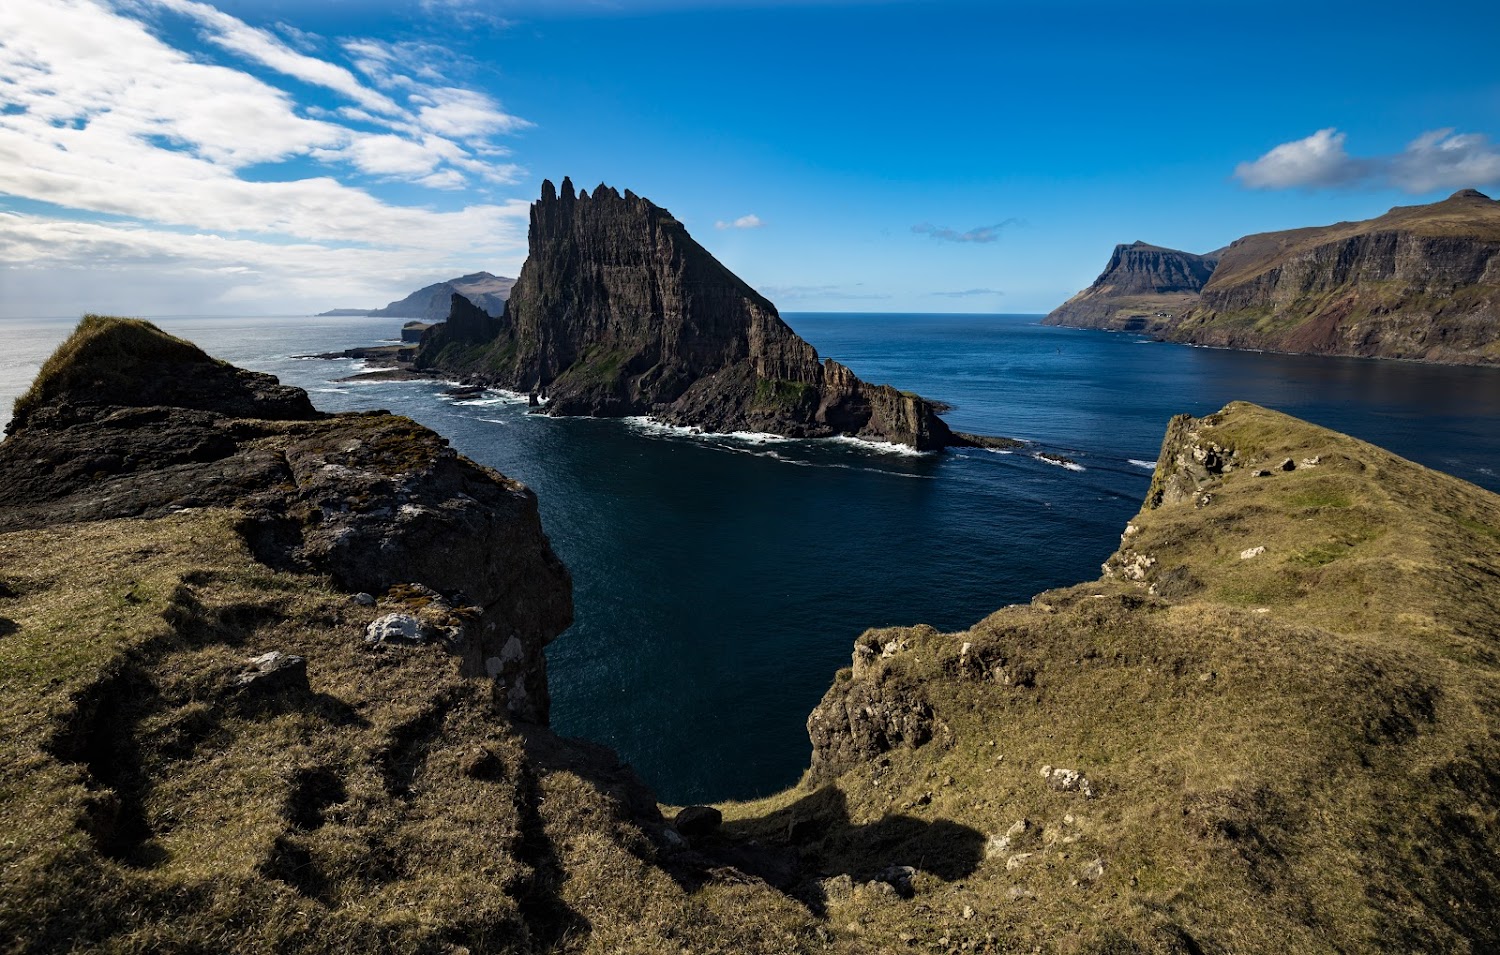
[(1421, 282), (1142, 289), (430, 303), (618, 311), (126, 421)]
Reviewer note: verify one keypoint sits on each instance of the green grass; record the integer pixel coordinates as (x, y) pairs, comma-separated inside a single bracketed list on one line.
[(777, 394), (1287, 757), (1294, 752), (108, 353)]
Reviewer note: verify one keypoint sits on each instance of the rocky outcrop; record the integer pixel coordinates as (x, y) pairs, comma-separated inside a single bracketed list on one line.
[(1144, 288), (127, 421), (1420, 282), (430, 304), (618, 311), (1288, 663)]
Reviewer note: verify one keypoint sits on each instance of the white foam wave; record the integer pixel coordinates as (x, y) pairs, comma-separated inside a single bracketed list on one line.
[(1148, 465), (879, 447), (754, 443)]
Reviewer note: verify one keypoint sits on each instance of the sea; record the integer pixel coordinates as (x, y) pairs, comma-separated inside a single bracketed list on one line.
[(720, 581)]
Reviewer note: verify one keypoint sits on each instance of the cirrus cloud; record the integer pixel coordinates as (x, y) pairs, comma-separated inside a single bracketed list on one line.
[(980, 234)]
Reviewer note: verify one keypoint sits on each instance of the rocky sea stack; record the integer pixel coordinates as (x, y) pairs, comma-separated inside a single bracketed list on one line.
[(618, 311), (1143, 288)]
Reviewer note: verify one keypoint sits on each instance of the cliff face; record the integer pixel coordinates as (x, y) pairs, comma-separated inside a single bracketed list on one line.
[(430, 304), (1420, 282), (618, 311), (1142, 289)]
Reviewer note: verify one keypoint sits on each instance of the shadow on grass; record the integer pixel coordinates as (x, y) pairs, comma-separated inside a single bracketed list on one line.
[(814, 839)]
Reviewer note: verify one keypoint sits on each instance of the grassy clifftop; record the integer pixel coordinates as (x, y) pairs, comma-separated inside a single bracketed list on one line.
[(1280, 702), (1272, 725)]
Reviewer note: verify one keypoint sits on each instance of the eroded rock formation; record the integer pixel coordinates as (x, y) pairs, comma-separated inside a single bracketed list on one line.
[(618, 311)]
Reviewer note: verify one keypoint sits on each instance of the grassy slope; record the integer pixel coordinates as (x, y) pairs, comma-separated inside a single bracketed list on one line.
[(1292, 752), (149, 807), (1256, 254)]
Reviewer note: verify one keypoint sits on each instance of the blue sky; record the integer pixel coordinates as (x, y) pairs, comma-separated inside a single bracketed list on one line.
[(173, 156)]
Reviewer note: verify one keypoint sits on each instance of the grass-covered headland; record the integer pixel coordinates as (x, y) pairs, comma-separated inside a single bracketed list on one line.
[(1272, 725)]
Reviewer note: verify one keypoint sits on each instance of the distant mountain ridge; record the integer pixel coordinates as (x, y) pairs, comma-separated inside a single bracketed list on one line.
[(431, 303), (1419, 282), (1142, 288)]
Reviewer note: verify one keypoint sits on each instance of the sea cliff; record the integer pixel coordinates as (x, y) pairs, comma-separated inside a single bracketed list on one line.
[(1420, 282), (618, 311), (273, 680), (1143, 288)]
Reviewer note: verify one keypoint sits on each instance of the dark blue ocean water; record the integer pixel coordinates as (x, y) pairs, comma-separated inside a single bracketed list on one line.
[(720, 582)]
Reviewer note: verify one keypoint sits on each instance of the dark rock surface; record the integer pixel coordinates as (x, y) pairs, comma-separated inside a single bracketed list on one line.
[(618, 311), (127, 421), (1141, 289)]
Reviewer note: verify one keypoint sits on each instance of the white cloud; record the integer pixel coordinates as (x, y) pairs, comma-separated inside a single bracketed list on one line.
[(1437, 160), (103, 117), (235, 35), (463, 114), (1442, 159), (982, 235), (743, 222), (1318, 160)]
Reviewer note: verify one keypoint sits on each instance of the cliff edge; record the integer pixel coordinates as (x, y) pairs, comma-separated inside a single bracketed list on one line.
[(618, 311), (1420, 282), (1143, 288), (272, 680)]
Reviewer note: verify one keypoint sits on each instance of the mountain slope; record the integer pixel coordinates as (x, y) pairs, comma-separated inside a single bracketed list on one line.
[(1419, 282), (431, 303), (618, 311), (1143, 288)]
